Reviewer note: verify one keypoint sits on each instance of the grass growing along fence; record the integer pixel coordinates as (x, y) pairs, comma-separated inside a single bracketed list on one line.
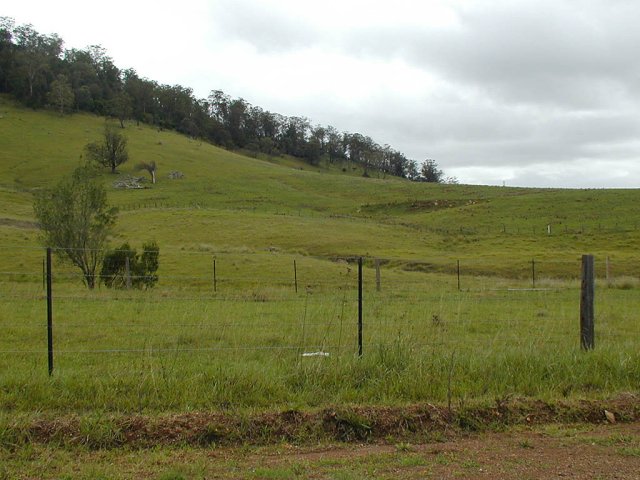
[(183, 346)]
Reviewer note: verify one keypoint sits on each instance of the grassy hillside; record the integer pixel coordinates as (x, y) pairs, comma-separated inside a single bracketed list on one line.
[(230, 202)]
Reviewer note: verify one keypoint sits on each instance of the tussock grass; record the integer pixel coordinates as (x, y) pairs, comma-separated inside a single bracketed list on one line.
[(624, 283)]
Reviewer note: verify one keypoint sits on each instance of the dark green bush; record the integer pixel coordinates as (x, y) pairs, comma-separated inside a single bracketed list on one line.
[(142, 267)]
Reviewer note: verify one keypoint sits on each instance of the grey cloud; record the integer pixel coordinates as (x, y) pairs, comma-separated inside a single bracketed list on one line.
[(268, 28), (566, 53), (533, 86), (577, 174), (575, 55), (578, 54)]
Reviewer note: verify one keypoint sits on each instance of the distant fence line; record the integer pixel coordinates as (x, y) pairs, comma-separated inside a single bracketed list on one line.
[(276, 269)]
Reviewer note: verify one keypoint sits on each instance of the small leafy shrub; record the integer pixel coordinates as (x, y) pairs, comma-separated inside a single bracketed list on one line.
[(142, 267)]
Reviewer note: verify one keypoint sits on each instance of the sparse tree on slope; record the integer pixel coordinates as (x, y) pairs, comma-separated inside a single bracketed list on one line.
[(76, 221), (111, 151), (430, 172)]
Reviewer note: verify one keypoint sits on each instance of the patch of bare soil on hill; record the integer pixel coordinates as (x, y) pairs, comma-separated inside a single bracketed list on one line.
[(415, 206)]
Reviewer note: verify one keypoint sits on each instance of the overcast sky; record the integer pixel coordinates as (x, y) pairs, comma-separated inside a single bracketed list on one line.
[(529, 93)]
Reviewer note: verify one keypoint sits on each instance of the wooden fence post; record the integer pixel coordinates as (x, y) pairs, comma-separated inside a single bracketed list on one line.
[(458, 271), (533, 272), (295, 275), (378, 286), (587, 334), (215, 280)]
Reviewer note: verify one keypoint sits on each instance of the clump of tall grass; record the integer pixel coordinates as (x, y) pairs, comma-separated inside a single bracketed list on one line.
[(624, 283)]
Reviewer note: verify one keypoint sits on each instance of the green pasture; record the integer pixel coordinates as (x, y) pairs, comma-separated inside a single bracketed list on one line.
[(186, 344)]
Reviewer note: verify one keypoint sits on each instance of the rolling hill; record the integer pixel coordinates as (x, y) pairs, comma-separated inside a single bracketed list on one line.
[(230, 202)]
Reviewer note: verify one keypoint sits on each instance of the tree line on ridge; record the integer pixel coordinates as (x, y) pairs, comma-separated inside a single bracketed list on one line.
[(38, 71)]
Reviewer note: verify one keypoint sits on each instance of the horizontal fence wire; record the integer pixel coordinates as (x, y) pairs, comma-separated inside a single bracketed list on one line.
[(311, 347), (317, 347), (420, 304), (255, 325)]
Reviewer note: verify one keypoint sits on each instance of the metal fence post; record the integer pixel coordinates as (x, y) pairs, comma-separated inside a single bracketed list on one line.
[(360, 306), (49, 314)]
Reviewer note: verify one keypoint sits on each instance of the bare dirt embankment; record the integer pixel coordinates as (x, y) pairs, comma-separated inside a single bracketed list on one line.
[(368, 424), (508, 439)]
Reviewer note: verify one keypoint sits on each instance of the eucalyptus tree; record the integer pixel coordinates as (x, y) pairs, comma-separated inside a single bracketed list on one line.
[(61, 94), (35, 58), (429, 172), (76, 221)]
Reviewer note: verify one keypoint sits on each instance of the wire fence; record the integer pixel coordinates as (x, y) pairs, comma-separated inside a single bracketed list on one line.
[(260, 305), (238, 269)]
